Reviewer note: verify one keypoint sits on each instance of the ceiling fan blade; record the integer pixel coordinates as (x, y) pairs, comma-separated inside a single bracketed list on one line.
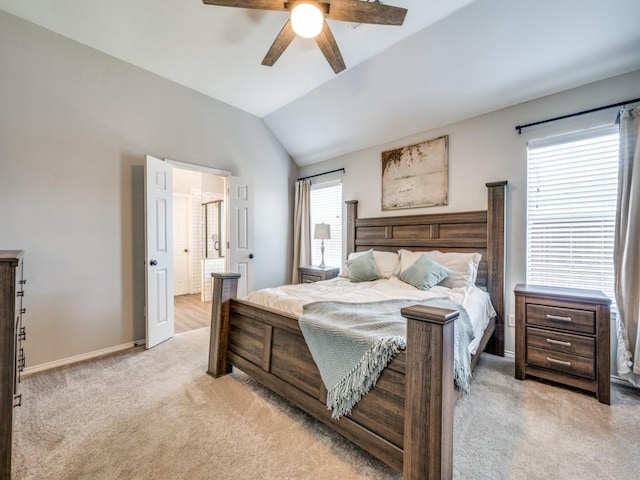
[(257, 4), (279, 45), (364, 12), (327, 43)]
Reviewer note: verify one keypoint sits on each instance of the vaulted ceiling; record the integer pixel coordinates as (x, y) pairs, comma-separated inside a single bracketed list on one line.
[(451, 60)]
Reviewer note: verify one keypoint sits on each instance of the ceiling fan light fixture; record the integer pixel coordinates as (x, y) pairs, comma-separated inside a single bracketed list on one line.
[(307, 20)]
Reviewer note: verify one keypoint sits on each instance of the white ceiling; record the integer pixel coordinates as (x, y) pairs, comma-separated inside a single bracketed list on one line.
[(451, 60)]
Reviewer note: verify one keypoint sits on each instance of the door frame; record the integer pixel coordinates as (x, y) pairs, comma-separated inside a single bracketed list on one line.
[(198, 168), (184, 166), (209, 171)]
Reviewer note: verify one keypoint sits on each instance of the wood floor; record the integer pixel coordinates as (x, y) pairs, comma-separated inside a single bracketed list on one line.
[(190, 313)]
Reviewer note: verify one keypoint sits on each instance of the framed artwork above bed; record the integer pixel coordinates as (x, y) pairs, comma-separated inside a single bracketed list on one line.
[(417, 175)]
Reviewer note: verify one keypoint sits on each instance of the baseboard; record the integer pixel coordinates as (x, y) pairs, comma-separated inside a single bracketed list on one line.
[(509, 354), (80, 358), (622, 381)]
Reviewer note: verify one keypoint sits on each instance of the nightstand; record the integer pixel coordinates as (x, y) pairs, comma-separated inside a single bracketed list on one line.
[(315, 274), (562, 335)]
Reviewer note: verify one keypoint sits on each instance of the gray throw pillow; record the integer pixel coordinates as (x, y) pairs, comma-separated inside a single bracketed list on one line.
[(424, 273), (363, 268)]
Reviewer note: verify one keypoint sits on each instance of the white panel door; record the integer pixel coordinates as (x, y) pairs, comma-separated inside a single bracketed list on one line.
[(241, 233), (158, 189), (181, 257)]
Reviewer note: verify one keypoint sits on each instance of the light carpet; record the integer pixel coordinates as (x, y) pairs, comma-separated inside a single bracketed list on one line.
[(156, 414)]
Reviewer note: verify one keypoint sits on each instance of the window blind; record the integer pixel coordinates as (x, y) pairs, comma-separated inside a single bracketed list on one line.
[(572, 183), (326, 207)]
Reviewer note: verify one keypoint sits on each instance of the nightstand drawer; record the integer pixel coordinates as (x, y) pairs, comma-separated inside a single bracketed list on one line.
[(561, 342), (560, 362), (313, 274), (583, 321), (306, 278)]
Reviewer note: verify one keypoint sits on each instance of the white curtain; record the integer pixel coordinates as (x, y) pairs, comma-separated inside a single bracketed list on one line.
[(301, 228), (627, 248)]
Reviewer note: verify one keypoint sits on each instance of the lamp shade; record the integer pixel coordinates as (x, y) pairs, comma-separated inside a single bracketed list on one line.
[(322, 231)]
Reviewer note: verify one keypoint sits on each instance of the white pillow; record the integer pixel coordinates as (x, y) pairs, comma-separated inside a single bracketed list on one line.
[(463, 266), (388, 263), (407, 258)]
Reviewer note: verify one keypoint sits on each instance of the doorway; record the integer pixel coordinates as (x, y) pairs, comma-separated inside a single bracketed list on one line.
[(199, 245)]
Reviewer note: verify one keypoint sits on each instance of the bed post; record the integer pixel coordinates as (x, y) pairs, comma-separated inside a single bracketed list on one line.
[(495, 260), (225, 287), (352, 215), (429, 393)]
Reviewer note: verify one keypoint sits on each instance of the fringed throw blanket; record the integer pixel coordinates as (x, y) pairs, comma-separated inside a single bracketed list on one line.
[(351, 343)]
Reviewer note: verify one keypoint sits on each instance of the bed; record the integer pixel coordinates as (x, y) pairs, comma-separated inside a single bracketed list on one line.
[(406, 420)]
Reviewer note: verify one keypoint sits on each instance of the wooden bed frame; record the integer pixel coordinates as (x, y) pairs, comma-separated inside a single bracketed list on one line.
[(406, 420)]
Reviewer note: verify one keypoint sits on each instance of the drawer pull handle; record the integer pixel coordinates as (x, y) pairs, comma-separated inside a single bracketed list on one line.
[(17, 400), (22, 360), (559, 362), (558, 318), (558, 342)]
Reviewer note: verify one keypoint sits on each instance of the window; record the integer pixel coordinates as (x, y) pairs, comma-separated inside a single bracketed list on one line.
[(572, 183), (326, 207)]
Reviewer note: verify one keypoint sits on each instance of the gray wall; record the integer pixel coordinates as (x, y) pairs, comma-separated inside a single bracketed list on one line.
[(75, 125), (486, 149)]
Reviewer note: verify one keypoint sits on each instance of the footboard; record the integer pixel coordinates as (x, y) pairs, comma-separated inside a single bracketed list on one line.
[(406, 420)]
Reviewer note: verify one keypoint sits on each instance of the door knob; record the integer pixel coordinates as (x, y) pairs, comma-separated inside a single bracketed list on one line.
[(153, 263), (186, 250), (251, 255)]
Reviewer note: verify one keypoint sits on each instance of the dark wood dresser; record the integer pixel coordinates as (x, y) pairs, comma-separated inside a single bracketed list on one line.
[(316, 274), (12, 361), (562, 335)]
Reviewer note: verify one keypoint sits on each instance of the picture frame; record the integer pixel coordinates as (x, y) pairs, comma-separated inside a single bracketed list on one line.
[(416, 176)]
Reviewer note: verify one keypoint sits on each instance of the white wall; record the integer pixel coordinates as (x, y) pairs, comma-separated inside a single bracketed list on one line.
[(487, 149), (75, 125)]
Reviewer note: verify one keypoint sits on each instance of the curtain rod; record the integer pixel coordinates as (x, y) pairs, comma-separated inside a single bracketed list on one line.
[(320, 174), (619, 104)]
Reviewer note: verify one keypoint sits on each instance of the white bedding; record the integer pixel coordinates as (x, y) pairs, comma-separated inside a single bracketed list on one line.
[(291, 298)]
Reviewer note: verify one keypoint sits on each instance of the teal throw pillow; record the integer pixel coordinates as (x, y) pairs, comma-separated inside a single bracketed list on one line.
[(363, 268), (424, 273)]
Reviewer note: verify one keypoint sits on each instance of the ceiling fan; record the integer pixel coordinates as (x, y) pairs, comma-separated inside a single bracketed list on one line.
[(309, 19)]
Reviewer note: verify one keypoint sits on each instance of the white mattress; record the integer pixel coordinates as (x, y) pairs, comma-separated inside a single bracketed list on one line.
[(291, 298)]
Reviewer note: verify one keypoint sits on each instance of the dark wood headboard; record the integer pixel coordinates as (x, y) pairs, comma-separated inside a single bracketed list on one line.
[(479, 231)]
